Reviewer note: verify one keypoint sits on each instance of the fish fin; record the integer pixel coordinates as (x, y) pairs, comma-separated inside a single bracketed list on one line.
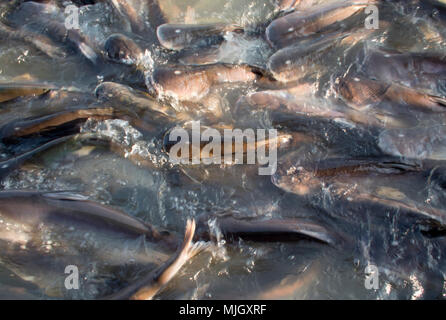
[(65, 195), (273, 230), (438, 100), (88, 52), (10, 164), (400, 166), (167, 271), (183, 170)]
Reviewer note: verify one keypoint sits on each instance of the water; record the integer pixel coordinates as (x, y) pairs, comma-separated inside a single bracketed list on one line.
[(411, 265)]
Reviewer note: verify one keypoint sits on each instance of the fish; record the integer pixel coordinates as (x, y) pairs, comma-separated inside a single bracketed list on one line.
[(186, 83), (421, 142), (39, 41), (122, 49), (412, 70), (143, 16), (62, 121), (294, 62), (7, 166), (306, 177), (267, 230), (11, 91), (299, 101), (47, 20), (181, 36), (64, 219), (206, 153), (46, 231), (293, 285), (123, 96), (285, 30), (291, 63), (433, 217), (361, 93), (147, 287)]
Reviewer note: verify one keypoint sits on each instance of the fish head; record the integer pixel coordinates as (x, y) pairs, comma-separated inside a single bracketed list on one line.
[(122, 49)]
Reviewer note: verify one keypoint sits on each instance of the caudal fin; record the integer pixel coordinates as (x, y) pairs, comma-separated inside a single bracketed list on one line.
[(169, 269)]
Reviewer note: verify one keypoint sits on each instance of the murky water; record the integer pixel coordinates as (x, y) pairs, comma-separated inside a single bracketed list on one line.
[(383, 233)]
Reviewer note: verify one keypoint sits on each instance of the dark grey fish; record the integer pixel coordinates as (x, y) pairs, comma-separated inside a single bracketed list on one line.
[(284, 31), (39, 41), (144, 16), (54, 121), (422, 142), (7, 166), (36, 18), (269, 230), (415, 71), (122, 49), (307, 57), (43, 232), (429, 213), (47, 231), (361, 92), (180, 36)]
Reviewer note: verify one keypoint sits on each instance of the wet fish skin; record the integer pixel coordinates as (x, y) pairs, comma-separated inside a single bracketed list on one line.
[(7, 166), (185, 83), (415, 71), (54, 121), (149, 286), (123, 97), (140, 15), (75, 40), (180, 36), (306, 177), (122, 49), (61, 208), (41, 42), (283, 31), (47, 20), (361, 92), (34, 207), (434, 218), (282, 140), (269, 230), (292, 63), (421, 142), (69, 217), (299, 101), (12, 91)]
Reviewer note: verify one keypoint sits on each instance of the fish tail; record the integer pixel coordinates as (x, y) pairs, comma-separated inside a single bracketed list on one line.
[(167, 271)]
